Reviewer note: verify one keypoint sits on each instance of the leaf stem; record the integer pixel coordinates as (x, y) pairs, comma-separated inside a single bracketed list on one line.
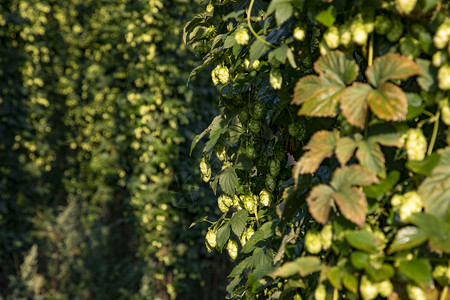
[(249, 14), (444, 293), (435, 131), (370, 54), (335, 294)]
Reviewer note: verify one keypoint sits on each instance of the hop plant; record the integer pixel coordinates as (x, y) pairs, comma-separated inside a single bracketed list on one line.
[(241, 36), (209, 8), (220, 152), (445, 111), (442, 275), (225, 202), (214, 77), (397, 200), (326, 236), (265, 198), (412, 203), (320, 292), (396, 30), (410, 47), (223, 74), (211, 239), (232, 248), (368, 289), (382, 24), (416, 144), (249, 203), (442, 34), (345, 35), (444, 77), (313, 242), (275, 79), (359, 33), (385, 288), (331, 37), (205, 169), (274, 167), (439, 58), (247, 235), (299, 33), (415, 292), (237, 202), (405, 6), (258, 110), (270, 183), (254, 126)]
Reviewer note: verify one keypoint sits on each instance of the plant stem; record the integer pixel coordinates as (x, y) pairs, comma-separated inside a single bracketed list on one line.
[(335, 294), (249, 14), (435, 131), (444, 293), (370, 54)]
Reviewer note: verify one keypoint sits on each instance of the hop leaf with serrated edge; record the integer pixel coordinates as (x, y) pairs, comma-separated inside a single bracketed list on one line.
[(275, 79), (313, 242), (326, 236), (412, 203), (299, 33), (444, 77), (359, 33), (416, 145), (385, 288), (382, 25), (331, 37), (345, 35), (405, 6), (210, 239), (439, 58), (396, 30), (320, 293), (241, 36), (415, 292), (368, 289), (442, 34), (232, 248), (265, 198), (223, 74)]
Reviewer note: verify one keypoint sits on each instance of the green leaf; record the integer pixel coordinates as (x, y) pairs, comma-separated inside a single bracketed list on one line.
[(319, 202), (337, 66), (279, 54), (243, 163), (283, 10), (370, 156), (335, 277), (418, 269), (427, 79), (388, 102), (257, 274), (257, 49), (223, 234), (238, 221), (345, 148), (380, 274), (352, 203), (426, 166), (198, 137), (414, 99), (390, 67), (378, 191), (318, 96), (327, 17), (228, 181), (429, 4), (303, 265), (229, 42), (260, 235), (407, 238), (414, 112), (359, 259), (435, 189), (354, 103), (363, 240), (351, 282), (216, 130), (352, 175), (291, 59), (437, 231), (205, 218), (320, 146)]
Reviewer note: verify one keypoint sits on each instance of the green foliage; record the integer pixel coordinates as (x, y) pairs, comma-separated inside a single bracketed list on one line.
[(359, 205), (96, 118)]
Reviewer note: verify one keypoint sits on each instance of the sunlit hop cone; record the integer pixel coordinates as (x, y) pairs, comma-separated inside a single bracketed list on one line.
[(210, 239), (265, 198), (232, 248), (275, 79), (405, 6), (241, 36), (326, 236), (416, 144), (313, 242), (331, 37), (442, 34), (444, 77), (299, 33), (415, 292), (368, 289), (412, 203)]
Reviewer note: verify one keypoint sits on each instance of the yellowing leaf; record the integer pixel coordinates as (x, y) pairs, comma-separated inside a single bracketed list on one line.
[(354, 103), (391, 66), (345, 148), (319, 202), (318, 96), (338, 67), (352, 175), (388, 102), (352, 203), (370, 156), (320, 146)]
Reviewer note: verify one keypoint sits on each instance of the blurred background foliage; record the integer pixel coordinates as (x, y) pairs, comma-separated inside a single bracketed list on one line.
[(97, 187)]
